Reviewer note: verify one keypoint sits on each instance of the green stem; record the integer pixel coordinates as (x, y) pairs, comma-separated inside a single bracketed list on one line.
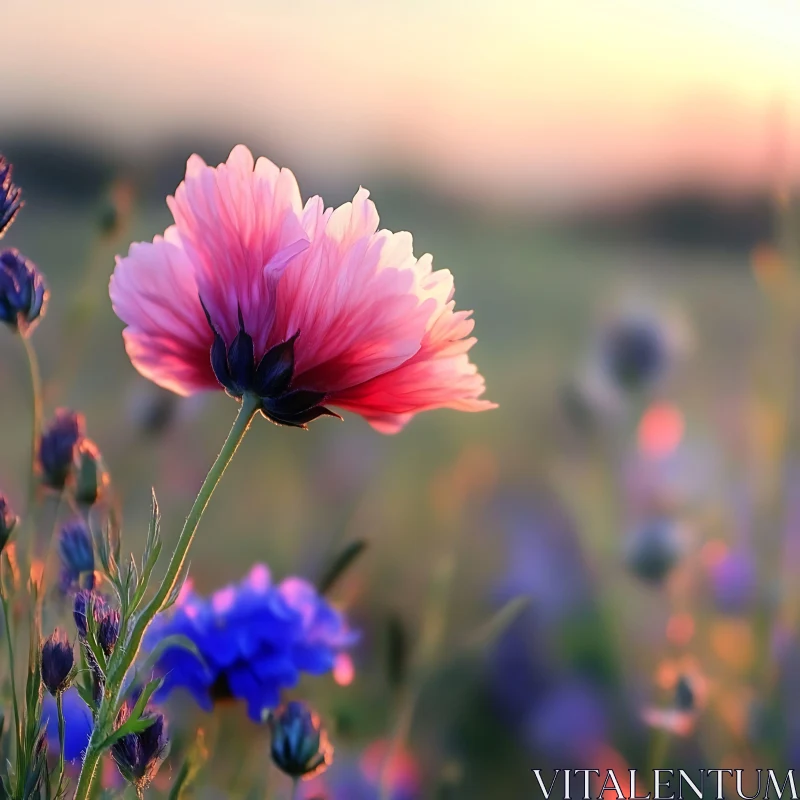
[(128, 653), (60, 707), (424, 659), (12, 668), (36, 412), (295, 789)]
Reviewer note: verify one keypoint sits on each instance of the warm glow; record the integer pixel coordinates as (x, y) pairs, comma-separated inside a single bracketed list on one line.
[(558, 99)]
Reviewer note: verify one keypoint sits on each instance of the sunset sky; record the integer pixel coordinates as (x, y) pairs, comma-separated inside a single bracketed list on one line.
[(520, 98)]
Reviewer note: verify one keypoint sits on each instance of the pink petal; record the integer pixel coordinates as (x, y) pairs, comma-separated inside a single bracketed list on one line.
[(154, 291), (354, 299), (240, 225)]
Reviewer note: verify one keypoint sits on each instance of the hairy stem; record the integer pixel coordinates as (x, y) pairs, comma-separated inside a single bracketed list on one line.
[(60, 707)]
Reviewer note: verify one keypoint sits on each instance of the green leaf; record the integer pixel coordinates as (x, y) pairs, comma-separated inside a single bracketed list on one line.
[(149, 664), (153, 533), (343, 560), (129, 726), (175, 593), (187, 775), (86, 694)]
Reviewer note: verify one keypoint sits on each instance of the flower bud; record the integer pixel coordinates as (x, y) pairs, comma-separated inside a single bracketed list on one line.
[(77, 556), (108, 630), (300, 746), (58, 447), (653, 549), (58, 659), (10, 197), (635, 352), (23, 293), (91, 477), (8, 521), (684, 694), (139, 755)]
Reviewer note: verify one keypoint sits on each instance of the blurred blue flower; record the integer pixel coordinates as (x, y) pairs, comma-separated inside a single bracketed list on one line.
[(654, 548), (10, 196), (734, 582), (255, 639), (76, 554), (635, 351), (569, 722), (58, 447), (77, 724), (23, 292)]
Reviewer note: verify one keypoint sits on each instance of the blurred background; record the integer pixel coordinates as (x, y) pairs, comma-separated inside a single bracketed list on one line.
[(611, 184)]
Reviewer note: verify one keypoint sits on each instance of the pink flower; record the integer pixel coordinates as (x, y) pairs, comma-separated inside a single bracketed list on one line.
[(302, 306)]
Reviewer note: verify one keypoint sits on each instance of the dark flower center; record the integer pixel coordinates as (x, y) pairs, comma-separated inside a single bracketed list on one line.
[(270, 379)]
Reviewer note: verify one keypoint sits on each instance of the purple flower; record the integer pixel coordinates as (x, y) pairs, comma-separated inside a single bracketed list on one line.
[(58, 447), (139, 755), (734, 582), (58, 659), (77, 556), (255, 639), (23, 293)]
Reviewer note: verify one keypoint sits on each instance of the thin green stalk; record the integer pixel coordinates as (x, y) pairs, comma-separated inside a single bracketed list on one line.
[(424, 658), (296, 789), (11, 667), (124, 656), (36, 411), (60, 707)]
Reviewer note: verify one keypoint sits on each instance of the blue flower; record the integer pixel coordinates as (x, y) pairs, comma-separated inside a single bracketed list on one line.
[(255, 639), (58, 447), (77, 724), (635, 350), (23, 293), (10, 197), (77, 556)]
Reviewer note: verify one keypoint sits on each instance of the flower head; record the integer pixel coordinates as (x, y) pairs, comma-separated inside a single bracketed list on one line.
[(10, 197), (88, 602), (58, 447), (8, 521), (91, 477), (108, 630), (654, 548), (300, 746), (139, 755), (58, 659), (23, 293), (255, 638), (300, 306), (77, 556)]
